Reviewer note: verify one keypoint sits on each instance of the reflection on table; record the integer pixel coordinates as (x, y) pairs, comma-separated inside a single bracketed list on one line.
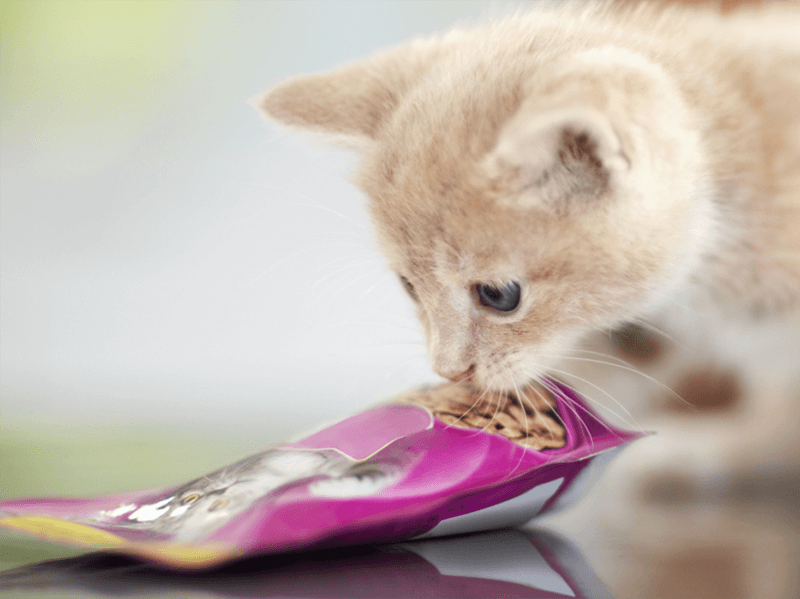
[(506, 563)]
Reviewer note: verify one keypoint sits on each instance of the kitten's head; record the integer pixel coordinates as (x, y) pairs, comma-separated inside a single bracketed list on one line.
[(523, 196)]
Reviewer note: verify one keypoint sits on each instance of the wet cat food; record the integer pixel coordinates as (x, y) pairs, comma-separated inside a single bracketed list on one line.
[(436, 461)]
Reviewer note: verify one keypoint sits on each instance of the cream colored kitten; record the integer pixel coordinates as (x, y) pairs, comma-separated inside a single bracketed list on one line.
[(565, 171)]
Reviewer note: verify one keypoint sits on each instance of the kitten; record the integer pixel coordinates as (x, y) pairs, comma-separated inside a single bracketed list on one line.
[(566, 171)]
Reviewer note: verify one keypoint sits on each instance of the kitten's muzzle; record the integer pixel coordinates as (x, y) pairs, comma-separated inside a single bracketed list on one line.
[(462, 376)]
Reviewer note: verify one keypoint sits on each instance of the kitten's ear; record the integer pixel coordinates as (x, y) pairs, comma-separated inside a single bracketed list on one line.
[(350, 103), (555, 158)]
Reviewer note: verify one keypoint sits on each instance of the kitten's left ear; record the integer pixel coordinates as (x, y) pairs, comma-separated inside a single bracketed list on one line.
[(554, 158), (350, 103)]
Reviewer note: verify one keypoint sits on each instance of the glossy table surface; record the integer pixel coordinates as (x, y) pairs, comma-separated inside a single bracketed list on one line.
[(666, 540), (691, 551)]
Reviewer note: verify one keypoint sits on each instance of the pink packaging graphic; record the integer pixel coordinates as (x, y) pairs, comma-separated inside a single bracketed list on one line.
[(433, 462)]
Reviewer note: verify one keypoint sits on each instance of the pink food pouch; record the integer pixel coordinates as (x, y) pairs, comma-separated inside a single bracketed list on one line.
[(433, 462)]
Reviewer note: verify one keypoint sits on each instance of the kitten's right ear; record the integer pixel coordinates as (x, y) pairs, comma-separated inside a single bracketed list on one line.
[(556, 158), (353, 101)]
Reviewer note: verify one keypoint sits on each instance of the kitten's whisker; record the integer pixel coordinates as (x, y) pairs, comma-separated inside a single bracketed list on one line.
[(305, 201), (527, 430), (539, 415), (389, 343), (356, 353), (626, 368), (567, 401), (343, 281), (617, 361), (350, 282), (650, 326), (397, 366), (536, 375), (291, 256), (341, 269), (355, 258), (480, 399), (474, 404), (335, 277), (673, 300), (598, 353), (312, 204), (571, 406), (332, 280), (631, 423), (368, 291), (498, 397), (382, 323)]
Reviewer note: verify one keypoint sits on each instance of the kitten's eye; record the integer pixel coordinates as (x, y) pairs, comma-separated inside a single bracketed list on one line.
[(503, 300), (190, 499), (409, 288)]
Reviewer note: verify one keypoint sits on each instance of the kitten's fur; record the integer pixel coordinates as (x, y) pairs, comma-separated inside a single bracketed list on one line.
[(618, 162)]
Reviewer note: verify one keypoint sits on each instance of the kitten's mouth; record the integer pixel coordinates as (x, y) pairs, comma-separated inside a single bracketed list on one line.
[(527, 416), (508, 386), (464, 376), (531, 387)]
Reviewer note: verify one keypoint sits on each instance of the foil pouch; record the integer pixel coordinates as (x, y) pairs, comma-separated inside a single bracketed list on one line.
[(432, 462)]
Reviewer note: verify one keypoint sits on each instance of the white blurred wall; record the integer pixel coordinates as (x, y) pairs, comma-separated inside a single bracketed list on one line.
[(167, 256)]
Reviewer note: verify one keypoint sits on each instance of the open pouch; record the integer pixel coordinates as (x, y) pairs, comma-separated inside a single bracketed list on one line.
[(435, 461)]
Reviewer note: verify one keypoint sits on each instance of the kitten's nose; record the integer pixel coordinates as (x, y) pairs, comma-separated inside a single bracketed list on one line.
[(462, 376)]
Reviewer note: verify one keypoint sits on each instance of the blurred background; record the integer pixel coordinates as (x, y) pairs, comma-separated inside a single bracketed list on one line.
[(169, 258), (183, 283)]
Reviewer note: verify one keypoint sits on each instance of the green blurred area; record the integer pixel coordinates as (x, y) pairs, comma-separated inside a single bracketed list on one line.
[(46, 461), (80, 80), (89, 55)]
